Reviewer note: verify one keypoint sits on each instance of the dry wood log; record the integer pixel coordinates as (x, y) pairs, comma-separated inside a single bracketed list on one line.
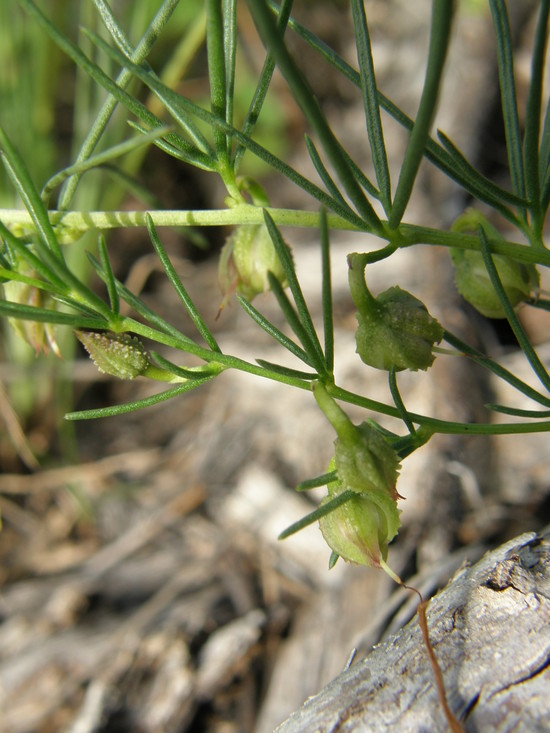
[(490, 630)]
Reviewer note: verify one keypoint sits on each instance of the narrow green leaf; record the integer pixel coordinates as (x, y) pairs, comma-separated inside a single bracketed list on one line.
[(478, 184), (505, 57), (314, 483), (138, 404), (179, 340), (533, 114), (314, 358), (101, 159), (216, 70), (144, 46), (370, 101), (114, 88), (287, 371), (230, 55), (360, 176), (442, 11), (46, 243), (262, 86), (273, 331), (179, 287), (504, 409), (326, 280), (109, 276), (185, 372), (153, 318), (180, 108), (26, 253), (310, 106), (544, 157), (324, 175), (7, 274), (184, 120), (544, 163), (20, 176), (179, 148), (46, 315), (500, 371), (112, 26), (314, 516), (285, 257), (434, 152)]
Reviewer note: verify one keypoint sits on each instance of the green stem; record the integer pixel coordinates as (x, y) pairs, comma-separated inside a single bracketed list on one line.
[(361, 295), (344, 427), (406, 235)]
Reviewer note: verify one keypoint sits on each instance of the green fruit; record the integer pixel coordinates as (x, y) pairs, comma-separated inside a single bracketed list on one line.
[(118, 354), (360, 530), (475, 286), (245, 261)]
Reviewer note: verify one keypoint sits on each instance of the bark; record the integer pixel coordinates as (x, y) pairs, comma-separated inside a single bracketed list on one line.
[(490, 630)]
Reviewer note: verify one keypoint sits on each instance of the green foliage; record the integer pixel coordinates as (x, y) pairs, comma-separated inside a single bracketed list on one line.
[(214, 136)]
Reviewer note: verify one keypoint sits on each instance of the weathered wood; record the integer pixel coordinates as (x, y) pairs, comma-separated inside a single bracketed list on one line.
[(490, 629)]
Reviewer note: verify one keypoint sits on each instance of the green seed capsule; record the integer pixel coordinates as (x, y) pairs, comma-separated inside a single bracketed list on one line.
[(475, 286), (118, 354), (245, 260), (471, 276), (395, 330), (360, 530)]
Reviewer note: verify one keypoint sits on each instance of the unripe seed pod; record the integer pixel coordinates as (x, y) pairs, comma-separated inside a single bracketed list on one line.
[(245, 260), (473, 280), (366, 462), (118, 354), (395, 330), (475, 286), (360, 530)]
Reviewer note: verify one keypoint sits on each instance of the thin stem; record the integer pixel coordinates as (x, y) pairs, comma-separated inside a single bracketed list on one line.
[(394, 389), (334, 413), (406, 235)]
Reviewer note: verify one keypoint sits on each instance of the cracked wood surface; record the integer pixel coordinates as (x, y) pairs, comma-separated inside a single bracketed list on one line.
[(490, 629)]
